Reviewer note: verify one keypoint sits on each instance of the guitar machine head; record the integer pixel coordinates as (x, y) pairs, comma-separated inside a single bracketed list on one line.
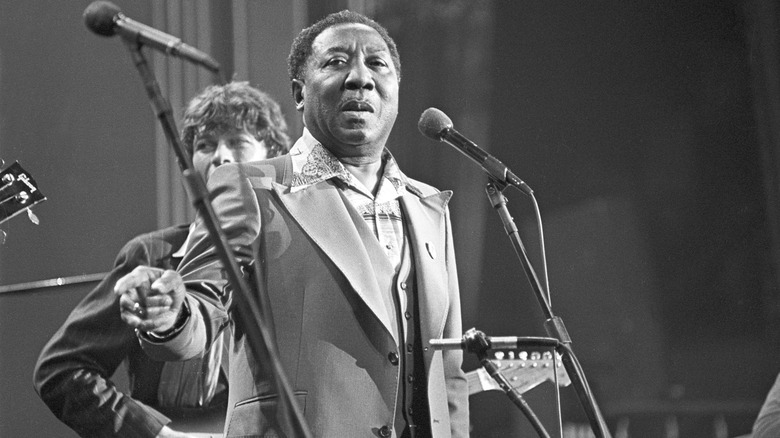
[(18, 192), (523, 370)]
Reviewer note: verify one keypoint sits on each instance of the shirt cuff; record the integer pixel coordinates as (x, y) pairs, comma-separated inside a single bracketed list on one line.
[(181, 322)]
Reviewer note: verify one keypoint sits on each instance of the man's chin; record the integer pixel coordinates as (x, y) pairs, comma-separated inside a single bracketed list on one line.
[(355, 136)]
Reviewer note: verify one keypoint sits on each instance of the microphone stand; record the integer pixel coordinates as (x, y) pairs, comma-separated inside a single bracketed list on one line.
[(553, 324), (475, 342), (248, 314)]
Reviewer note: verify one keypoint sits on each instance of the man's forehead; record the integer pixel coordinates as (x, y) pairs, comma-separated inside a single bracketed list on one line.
[(342, 36), (221, 130)]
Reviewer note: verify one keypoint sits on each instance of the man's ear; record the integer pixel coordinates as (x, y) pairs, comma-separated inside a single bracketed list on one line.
[(298, 93)]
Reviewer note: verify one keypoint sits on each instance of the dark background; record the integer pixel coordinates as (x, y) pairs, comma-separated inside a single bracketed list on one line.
[(648, 130)]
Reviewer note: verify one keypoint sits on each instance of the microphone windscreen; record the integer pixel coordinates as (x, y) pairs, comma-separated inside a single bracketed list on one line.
[(432, 122), (99, 17)]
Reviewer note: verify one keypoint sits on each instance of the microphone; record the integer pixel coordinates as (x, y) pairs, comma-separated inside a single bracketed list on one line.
[(435, 125), (496, 342), (105, 18)]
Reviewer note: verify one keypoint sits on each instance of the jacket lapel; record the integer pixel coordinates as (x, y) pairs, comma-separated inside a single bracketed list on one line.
[(425, 224), (321, 213)]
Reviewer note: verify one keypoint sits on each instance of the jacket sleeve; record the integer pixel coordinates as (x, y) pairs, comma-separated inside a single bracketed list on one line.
[(72, 374), (768, 422), (235, 205)]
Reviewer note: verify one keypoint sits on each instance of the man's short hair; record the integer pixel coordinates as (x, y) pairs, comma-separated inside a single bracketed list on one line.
[(239, 106), (302, 45)]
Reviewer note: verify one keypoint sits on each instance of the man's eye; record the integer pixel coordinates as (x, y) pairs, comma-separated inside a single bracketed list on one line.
[(336, 61), (378, 62), (203, 146)]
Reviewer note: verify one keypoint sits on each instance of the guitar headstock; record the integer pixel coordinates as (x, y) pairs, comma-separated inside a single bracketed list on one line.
[(18, 192), (523, 370)]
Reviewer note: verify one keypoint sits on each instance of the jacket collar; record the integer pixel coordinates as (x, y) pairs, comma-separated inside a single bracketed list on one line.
[(323, 215)]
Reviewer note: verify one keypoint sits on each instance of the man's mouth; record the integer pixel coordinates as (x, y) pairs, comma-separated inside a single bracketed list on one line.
[(357, 105)]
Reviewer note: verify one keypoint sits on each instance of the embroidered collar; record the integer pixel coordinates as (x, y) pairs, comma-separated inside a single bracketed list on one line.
[(313, 163)]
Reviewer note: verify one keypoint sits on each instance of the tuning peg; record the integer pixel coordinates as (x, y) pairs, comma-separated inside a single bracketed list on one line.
[(33, 218)]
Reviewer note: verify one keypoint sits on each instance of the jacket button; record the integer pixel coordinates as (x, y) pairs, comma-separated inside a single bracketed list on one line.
[(384, 431), (393, 357)]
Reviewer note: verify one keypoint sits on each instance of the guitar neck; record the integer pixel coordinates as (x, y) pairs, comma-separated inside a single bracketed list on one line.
[(18, 192), (521, 374), (479, 381)]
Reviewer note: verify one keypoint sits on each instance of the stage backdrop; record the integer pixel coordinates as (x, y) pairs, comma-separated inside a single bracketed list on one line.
[(648, 130)]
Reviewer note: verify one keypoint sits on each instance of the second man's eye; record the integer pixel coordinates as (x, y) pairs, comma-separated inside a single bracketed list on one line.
[(204, 146)]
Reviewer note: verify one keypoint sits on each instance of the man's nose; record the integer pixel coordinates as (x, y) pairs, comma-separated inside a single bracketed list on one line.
[(359, 77), (222, 154)]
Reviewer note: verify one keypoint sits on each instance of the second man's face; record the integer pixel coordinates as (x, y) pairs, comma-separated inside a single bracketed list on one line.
[(350, 91), (212, 150)]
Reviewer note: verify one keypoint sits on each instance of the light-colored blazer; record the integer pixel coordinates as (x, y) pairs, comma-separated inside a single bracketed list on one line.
[(330, 289)]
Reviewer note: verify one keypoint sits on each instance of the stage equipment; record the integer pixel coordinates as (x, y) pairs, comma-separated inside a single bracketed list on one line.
[(18, 192), (250, 313), (105, 18), (435, 125)]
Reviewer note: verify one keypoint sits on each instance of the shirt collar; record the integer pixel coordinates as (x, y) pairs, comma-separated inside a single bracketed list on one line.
[(313, 163), (393, 174), (183, 249)]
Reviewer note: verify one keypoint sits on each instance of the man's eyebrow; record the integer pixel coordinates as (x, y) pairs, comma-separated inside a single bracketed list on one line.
[(378, 49), (346, 49), (335, 49)]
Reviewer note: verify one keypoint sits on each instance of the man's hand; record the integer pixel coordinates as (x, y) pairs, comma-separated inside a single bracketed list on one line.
[(150, 299)]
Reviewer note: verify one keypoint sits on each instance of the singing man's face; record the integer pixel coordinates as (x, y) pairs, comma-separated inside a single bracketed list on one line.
[(212, 150), (349, 91)]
